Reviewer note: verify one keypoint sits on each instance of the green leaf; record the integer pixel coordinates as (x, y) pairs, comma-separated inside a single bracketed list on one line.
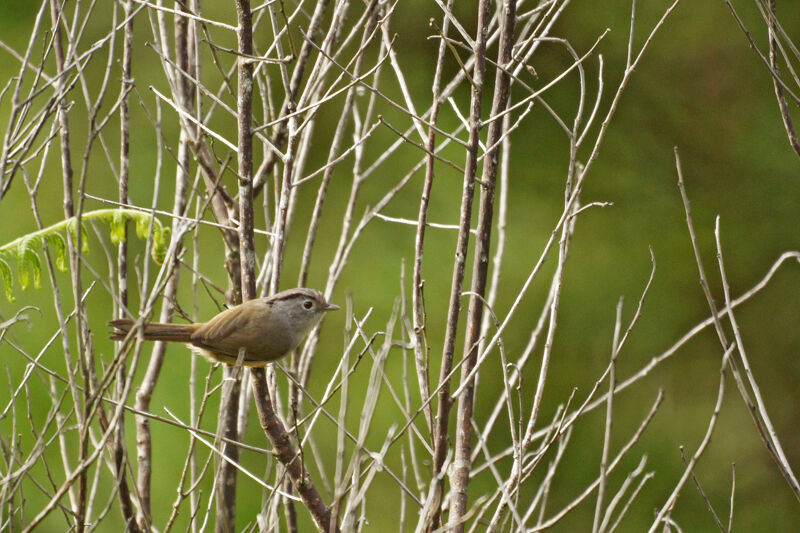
[(24, 264), (32, 259), (118, 227), (5, 273), (71, 225), (24, 273), (84, 240), (142, 226), (160, 243), (59, 248)]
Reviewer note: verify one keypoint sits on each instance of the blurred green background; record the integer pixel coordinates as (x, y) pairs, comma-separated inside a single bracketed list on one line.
[(699, 88)]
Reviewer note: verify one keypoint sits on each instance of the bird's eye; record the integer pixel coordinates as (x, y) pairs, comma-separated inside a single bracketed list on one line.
[(308, 304)]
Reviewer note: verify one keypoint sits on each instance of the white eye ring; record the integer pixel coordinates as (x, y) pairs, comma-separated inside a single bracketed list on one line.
[(308, 304)]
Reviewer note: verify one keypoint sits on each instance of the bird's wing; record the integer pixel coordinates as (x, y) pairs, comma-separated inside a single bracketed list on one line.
[(221, 326), (233, 329)]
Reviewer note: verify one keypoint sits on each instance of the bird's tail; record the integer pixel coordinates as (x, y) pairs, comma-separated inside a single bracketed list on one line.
[(153, 331)]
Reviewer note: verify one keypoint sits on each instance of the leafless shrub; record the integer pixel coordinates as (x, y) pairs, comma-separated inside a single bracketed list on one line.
[(297, 80)]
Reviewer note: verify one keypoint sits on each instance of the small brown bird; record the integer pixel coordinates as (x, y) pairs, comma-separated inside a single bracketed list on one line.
[(267, 328)]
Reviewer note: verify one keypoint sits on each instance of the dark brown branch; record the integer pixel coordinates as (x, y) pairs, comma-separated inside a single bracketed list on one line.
[(245, 152), (287, 454), (229, 409)]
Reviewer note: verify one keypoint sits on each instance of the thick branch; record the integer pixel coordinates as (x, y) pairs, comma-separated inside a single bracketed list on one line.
[(286, 453)]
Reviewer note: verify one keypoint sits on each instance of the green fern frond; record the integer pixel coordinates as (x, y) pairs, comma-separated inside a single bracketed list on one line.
[(25, 250), (5, 273), (58, 246)]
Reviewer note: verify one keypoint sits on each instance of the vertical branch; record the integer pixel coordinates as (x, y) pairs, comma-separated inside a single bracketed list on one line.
[(73, 247), (597, 525), (280, 225), (229, 409), (282, 201), (124, 160), (459, 477), (470, 168), (417, 298), (227, 429), (186, 61), (245, 149), (195, 410), (119, 448)]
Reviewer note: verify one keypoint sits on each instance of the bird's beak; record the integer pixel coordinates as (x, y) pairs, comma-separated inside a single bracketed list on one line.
[(332, 307)]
